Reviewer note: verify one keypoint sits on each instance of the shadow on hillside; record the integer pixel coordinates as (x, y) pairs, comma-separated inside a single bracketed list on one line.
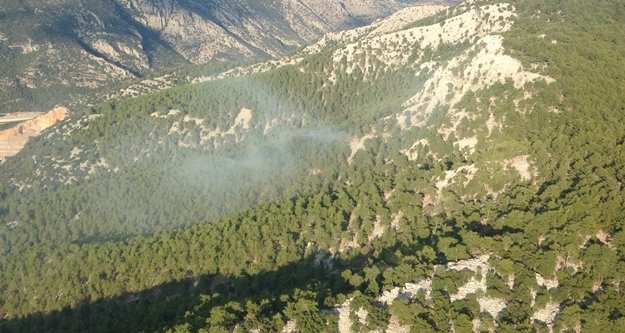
[(165, 305)]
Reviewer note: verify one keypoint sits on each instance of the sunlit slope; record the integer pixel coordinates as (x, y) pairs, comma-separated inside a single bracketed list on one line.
[(461, 172), (195, 152)]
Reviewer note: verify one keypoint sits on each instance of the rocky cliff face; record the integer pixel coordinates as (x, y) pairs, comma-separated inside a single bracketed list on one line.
[(12, 140), (201, 31), (71, 47)]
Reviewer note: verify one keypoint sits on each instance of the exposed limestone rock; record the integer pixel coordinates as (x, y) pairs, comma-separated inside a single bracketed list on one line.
[(357, 144), (444, 88), (12, 140), (522, 165), (492, 306), (378, 229), (605, 238), (477, 324), (404, 17), (408, 291), (397, 219), (547, 314), (412, 152), (25, 48), (464, 27), (241, 121), (467, 143), (345, 322), (362, 315), (468, 171), (290, 327), (474, 285), (547, 283)]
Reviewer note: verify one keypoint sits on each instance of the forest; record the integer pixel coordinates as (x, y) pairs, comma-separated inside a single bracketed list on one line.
[(159, 224)]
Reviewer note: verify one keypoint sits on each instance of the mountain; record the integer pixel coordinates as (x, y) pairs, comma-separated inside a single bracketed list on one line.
[(443, 169), (53, 50)]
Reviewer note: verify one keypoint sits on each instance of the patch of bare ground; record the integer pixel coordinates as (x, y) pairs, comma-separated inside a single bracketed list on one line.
[(12, 140)]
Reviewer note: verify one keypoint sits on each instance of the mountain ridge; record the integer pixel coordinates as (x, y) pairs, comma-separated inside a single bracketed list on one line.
[(71, 47)]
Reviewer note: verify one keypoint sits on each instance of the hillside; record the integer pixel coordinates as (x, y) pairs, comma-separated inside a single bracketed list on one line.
[(443, 169), (55, 51)]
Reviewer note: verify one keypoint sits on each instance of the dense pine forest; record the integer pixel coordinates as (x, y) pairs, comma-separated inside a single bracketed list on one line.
[(306, 197)]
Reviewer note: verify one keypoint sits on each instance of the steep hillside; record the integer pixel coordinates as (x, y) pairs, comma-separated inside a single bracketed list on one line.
[(59, 49), (446, 169)]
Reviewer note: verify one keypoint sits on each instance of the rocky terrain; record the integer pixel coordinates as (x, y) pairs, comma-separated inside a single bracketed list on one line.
[(12, 140), (68, 48)]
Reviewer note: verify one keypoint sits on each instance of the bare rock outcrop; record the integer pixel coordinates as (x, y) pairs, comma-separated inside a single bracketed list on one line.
[(12, 140)]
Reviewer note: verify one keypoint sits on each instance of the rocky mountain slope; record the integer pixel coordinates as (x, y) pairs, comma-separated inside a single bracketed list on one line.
[(58, 49), (445, 169)]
